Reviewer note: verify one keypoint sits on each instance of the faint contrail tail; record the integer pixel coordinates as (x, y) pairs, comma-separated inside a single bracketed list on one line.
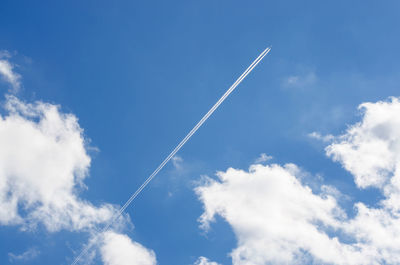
[(172, 154)]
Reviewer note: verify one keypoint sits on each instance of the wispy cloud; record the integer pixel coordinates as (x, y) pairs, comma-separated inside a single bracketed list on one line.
[(300, 80), (263, 158), (7, 72), (205, 261), (177, 162), (26, 256), (318, 136)]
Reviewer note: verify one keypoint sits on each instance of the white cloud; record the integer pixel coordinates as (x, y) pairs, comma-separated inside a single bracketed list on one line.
[(370, 149), (263, 158), (318, 136), (118, 249), (269, 209), (205, 261), (43, 161), (27, 255), (279, 220), (7, 71)]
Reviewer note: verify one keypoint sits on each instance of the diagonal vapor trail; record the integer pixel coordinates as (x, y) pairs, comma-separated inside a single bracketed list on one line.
[(172, 154)]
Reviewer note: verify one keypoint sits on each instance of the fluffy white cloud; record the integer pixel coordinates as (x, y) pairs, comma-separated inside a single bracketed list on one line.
[(274, 216), (7, 73), (118, 249), (277, 219), (205, 261), (370, 149), (43, 161)]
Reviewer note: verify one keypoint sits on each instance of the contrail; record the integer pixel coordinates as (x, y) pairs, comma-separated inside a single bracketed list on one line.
[(172, 154)]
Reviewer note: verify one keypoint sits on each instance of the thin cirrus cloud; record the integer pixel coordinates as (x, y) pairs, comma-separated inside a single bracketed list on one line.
[(43, 164), (269, 208)]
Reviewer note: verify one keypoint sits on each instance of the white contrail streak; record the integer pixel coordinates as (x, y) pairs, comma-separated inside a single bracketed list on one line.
[(172, 154)]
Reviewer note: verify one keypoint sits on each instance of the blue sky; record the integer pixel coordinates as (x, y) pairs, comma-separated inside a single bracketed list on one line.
[(139, 75)]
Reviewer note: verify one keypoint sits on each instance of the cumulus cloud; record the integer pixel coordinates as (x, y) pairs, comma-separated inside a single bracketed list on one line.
[(43, 161), (277, 219), (7, 73), (118, 249), (205, 261), (370, 149), (274, 216), (43, 165)]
